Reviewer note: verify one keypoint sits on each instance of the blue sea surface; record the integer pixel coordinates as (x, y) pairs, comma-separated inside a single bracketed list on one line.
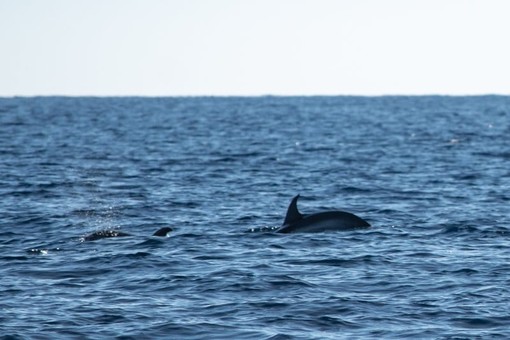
[(431, 174)]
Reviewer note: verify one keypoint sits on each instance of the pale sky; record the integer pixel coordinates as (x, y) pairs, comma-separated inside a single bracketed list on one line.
[(254, 47)]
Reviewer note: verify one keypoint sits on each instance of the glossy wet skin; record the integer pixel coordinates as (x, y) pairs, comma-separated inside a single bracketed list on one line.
[(323, 221)]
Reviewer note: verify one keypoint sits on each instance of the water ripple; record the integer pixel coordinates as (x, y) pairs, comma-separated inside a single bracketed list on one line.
[(429, 173)]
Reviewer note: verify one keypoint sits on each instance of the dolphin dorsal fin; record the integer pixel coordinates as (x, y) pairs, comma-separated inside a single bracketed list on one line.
[(293, 214)]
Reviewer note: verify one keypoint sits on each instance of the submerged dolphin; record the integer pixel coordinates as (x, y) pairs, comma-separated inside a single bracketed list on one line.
[(116, 233), (324, 221)]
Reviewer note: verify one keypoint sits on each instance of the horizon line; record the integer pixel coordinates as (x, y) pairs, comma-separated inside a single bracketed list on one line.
[(488, 94)]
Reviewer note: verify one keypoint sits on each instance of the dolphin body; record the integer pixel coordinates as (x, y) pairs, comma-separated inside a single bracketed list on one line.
[(116, 233), (295, 222)]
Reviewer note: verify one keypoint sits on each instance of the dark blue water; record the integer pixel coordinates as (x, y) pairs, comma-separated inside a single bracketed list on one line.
[(431, 174)]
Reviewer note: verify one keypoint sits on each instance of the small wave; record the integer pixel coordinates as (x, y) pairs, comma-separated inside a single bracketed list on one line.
[(459, 228), (495, 154), (479, 323), (266, 229), (42, 251)]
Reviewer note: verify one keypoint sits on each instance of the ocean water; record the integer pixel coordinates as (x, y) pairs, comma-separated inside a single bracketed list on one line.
[(430, 174)]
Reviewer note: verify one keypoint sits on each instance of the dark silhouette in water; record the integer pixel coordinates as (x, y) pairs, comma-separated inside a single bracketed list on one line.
[(116, 233), (324, 221), (294, 222)]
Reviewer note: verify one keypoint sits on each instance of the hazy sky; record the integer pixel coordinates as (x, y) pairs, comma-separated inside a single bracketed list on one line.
[(257, 47)]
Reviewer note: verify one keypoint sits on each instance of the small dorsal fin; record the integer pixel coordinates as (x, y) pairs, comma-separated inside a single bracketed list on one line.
[(293, 214), (163, 232)]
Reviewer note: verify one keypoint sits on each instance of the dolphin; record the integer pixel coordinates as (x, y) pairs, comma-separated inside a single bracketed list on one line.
[(100, 234), (295, 222)]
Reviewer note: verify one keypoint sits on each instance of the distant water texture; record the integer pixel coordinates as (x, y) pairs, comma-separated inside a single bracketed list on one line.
[(430, 174)]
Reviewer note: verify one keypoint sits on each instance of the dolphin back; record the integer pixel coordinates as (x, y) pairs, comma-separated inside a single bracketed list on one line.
[(324, 221)]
